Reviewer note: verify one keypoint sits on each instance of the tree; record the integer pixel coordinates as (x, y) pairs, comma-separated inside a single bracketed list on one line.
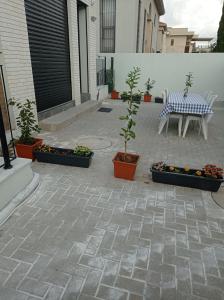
[(220, 35)]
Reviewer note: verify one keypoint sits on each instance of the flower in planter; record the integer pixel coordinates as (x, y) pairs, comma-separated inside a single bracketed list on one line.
[(45, 148), (198, 173), (171, 168), (82, 151), (160, 166), (213, 171), (186, 169)]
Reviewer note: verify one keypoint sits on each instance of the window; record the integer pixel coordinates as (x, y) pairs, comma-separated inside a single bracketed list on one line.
[(108, 22), (138, 27), (172, 42)]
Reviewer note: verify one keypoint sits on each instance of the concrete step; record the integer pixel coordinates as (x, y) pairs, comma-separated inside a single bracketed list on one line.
[(15, 185), (65, 118)]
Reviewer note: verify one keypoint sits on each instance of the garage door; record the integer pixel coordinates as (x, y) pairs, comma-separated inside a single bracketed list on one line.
[(47, 23)]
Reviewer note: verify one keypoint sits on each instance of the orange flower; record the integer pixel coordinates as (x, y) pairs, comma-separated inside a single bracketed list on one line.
[(198, 173)]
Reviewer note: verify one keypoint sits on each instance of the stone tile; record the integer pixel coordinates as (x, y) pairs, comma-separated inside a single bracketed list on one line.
[(18, 275), (126, 269), (215, 282), (7, 264), (130, 285), (140, 274), (25, 256), (54, 293), (207, 292), (12, 294), (39, 267), (3, 276), (73, 289), (53, 276), (33, 287), (92, 261), (109, 293), (92, 282), (110, 273), (151, 292)]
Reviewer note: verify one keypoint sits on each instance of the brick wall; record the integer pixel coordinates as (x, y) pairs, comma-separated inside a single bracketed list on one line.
[(15, 49), (16, 52)]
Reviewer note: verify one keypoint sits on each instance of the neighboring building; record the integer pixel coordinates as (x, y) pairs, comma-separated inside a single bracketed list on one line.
[(48, 50), (205, 46), (129, 26), (161, 44), (178, 40)]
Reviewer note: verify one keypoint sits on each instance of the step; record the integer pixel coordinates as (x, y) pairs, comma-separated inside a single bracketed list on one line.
[(67, 117), (15, 185)]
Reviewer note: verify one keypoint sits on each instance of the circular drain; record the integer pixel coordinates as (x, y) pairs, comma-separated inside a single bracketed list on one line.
[(94, 142)]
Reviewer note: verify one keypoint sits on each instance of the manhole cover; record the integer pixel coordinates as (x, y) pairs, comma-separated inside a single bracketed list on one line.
[(94, 142)]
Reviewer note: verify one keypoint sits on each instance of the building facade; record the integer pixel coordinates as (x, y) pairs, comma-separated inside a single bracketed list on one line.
[(48, 52), (128, 26)]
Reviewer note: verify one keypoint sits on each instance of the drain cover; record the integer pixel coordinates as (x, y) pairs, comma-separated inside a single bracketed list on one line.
[(94, 142), (105, 109)]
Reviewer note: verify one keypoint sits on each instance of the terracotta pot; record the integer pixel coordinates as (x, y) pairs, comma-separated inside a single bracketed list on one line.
[(124, 169), (147, 98), (114, 95), (26, 151)]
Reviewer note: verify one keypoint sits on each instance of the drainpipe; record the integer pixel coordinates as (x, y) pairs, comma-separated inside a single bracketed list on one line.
[(5, 150)]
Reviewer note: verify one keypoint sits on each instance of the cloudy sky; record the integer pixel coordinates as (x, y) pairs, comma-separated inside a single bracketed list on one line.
[(201, 16)]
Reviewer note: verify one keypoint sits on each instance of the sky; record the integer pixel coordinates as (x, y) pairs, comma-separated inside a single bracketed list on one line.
[(201, 16)]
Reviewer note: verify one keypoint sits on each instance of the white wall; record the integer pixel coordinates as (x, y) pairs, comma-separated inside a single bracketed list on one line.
[(169, 71)]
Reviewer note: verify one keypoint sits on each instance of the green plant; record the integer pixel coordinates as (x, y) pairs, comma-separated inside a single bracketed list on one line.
[(219, 47), (137, 97), (188, 83), (82, 151), (124, 96), (26, 121), (110, 80), (127, 132), (149, 85)]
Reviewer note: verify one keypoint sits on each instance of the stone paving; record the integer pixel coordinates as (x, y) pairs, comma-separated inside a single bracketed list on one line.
[(86, 235)]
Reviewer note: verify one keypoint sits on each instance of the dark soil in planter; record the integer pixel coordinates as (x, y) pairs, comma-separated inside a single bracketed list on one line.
[(62, 156), (128, 158)]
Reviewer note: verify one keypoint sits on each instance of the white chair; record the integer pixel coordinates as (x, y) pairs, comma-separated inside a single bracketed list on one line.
[(203, 120), (165, 120)]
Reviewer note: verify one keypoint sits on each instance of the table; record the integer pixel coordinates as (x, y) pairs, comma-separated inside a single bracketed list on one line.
[(193, 104)]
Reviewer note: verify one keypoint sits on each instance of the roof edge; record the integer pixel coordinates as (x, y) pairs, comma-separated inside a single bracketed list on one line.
[(160, 7)]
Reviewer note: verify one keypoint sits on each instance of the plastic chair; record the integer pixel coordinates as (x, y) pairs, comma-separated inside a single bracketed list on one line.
[(203, 120)]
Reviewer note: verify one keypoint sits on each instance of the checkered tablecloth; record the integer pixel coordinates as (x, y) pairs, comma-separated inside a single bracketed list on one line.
[(192, 104)]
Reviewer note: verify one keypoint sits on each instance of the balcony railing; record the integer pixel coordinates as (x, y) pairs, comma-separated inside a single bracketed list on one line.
[(8, 154), (101, 70)]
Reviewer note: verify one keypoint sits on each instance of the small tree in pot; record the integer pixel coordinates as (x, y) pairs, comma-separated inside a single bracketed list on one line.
[(149, 85), (27, 124), (125, 163), (188, 83)]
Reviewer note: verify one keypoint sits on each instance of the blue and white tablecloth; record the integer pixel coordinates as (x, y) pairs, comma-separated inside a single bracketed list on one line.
[(192, 104)]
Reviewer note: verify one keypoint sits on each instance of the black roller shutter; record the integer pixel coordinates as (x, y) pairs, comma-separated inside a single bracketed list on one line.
[(47, 22)]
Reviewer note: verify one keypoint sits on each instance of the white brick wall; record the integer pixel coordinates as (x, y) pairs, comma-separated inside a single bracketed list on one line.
[(16, 52), (15, 49)]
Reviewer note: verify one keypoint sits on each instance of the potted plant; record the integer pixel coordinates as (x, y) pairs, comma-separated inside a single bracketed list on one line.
[(81, 156), (125, 163), (137, 97), (208, 179), (188, 83), (114, 95), (27, 124), (149, 85), (124, 96)]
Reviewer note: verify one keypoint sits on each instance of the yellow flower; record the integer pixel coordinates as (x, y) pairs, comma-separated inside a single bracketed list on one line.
[(171, 168), (186, 169), (198, 173)]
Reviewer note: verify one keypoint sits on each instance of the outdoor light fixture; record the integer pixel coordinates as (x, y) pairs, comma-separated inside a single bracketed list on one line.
[(93, 18)]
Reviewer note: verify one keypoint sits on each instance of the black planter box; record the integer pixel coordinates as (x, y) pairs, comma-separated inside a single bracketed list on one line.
[(191, 181), (67, 159), (158, 100)]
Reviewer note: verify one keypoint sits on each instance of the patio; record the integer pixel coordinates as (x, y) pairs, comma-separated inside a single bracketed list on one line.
[(87, 235)]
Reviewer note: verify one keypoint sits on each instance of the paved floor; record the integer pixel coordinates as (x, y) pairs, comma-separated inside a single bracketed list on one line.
[(86, 235)]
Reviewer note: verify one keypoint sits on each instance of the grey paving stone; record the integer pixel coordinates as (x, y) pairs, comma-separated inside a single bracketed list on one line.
[(92, 261), (55, 277), (39, 267), (73, 289), (6, 294), (54, 293), (33, 287), (110, 273), (18, 275), (25, 256), (130, 285), (207, 292), (92, 282), (110, 293), (151, 292), (3, 276), (7, 264), (140, 274)]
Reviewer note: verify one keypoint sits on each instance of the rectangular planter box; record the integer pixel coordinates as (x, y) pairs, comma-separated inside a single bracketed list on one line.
[(67, 160), (191, 181)]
